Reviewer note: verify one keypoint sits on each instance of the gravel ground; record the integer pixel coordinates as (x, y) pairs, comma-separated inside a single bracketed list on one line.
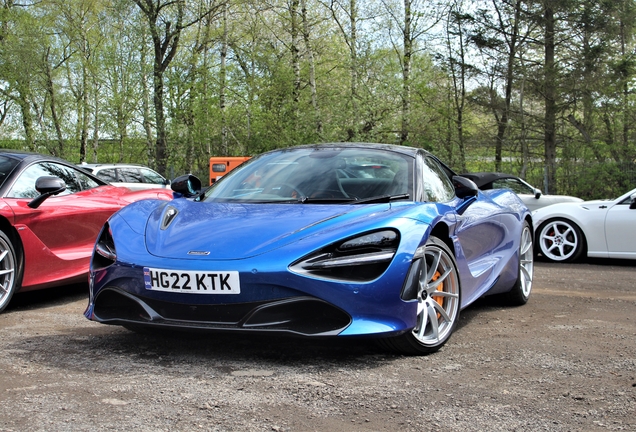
[(566, 361)]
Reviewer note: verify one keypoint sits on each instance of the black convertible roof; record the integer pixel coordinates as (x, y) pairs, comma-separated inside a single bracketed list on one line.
[(483, 178), (16, 154)]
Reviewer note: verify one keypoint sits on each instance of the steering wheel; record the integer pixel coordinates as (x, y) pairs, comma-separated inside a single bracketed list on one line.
[(286, 190)]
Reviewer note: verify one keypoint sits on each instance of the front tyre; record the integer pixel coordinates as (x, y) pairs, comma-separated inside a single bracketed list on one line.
[(520, 291), (438, 300), (560, 240), (8, 267)]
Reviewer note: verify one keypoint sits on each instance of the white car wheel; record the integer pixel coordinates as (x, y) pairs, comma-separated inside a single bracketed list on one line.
[(560, 240)]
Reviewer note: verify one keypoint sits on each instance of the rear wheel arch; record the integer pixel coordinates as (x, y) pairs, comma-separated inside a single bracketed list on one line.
[(10, 264), (528, 219), (12, 233)]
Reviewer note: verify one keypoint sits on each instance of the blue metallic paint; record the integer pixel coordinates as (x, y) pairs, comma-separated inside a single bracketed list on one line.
[(375, 306), (261, 241)]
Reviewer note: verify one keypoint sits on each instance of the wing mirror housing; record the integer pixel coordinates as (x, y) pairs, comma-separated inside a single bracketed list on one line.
[(632, 204), (47, 186), (464, 188), (537, 193), (187, 186)]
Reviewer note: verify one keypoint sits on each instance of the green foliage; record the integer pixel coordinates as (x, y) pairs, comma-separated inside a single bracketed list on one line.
[(76, 80)]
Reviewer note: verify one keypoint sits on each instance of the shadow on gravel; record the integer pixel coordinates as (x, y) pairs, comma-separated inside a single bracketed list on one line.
[(610, 261), (48, 297), (480, 306), (595, 261), (122, 351), (115, 350)]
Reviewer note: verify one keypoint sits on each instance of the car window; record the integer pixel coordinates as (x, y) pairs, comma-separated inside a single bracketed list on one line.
[(366, 171), (151, 177), (515, 185), (6, 167), (628, 200), (218, 167), (130, 175), (24, 186), (108, 175), (316, 174), (85, 181), (437, 186)]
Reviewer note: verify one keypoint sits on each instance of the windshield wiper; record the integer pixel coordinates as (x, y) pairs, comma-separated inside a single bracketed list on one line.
[(381, 199), (331, 200)]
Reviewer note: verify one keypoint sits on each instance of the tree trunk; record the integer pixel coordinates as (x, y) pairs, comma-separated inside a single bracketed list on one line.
[(147, 122), (27, 118), (96, 126), (165, 40), (223, 83), (161, 142), (53, 102), (502, 124), (83, 112), (353, 42), (312, 68), (550, 91), (458, 77), (295, 53), (406, 72)]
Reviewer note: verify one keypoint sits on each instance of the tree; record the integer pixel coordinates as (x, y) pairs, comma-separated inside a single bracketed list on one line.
[(414, 20), (346, 19), (166, 22), (458, 69), (501, 33)]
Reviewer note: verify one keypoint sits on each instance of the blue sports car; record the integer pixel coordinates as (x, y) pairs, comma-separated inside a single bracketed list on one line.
[(287, 243)]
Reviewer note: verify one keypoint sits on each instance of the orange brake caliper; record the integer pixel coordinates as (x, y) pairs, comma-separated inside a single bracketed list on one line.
[(438, 299)]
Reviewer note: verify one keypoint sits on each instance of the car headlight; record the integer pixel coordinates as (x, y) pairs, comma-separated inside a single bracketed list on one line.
[(357, 259), (104, 253)]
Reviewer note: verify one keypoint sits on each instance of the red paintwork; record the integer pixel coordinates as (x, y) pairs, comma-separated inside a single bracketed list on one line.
[(58, 237)]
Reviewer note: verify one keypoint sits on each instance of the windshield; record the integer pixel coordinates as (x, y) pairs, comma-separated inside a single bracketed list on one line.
[(327, 175)]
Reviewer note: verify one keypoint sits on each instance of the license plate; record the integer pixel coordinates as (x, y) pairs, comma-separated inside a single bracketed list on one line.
[(194, 282)]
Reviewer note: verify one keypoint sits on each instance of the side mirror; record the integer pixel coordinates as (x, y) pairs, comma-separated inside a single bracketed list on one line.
[(632, 204), (464, 188), (537, 193), (47, 186), (187, 185)]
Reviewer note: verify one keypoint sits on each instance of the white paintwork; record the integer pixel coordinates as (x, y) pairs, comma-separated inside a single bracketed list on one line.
[(531, 196), (157, 181), (533, 203), (609, 226)]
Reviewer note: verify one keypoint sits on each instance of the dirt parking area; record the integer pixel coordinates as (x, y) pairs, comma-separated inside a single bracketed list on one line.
[(566, 361)]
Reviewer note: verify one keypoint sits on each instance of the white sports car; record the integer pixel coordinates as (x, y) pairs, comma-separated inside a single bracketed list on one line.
[(600, 229), (531, 196)]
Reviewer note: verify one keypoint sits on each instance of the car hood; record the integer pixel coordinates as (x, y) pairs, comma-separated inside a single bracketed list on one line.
[(568, 209), (234, 231)]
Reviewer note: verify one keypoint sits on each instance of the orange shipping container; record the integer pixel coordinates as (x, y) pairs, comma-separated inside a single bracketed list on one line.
[(221, 165)]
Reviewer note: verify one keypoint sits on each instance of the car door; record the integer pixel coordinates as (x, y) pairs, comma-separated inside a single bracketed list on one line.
[(153, 177), (131, 178), (526, 192), (478, 229), (59, 235), (619, 230), (109, 175)]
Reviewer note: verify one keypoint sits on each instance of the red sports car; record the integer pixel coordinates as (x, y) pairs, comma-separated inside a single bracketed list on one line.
[(50, 215)]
